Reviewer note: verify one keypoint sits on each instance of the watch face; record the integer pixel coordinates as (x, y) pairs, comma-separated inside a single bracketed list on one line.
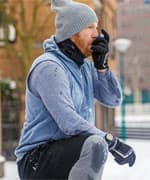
[(109, 137)]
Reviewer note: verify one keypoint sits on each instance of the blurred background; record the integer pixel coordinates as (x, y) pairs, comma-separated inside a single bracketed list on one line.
[(24, 24)]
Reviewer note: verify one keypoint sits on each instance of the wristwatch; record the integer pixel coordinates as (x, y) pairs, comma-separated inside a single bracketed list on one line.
[(110, 139)]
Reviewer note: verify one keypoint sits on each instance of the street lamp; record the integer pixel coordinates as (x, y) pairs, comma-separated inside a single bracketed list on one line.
[(122, 46)]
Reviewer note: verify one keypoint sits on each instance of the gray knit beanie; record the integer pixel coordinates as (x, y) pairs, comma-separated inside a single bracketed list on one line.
[(71, 18)]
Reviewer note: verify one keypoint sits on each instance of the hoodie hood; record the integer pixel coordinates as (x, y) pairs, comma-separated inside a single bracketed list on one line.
[(49, 45)]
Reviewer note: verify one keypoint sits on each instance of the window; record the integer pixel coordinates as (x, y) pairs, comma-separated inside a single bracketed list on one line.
[(7, 29)]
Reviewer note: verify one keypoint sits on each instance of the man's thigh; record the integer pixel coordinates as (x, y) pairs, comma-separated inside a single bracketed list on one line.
[(54, 159)]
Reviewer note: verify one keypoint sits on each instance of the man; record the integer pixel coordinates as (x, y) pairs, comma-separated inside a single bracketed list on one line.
[(59, 139)]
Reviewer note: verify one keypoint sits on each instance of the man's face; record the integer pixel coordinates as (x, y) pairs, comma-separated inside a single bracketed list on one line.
[(85, 38)]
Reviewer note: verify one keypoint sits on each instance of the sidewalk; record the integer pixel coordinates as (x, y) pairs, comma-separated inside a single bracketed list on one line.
[(112, 171)]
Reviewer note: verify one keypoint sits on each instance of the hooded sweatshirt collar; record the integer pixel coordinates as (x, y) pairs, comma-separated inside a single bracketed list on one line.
[(67, 47)]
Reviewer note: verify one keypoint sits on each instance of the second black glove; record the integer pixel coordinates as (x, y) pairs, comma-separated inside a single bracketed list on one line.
[(122, 152), (100, 51)]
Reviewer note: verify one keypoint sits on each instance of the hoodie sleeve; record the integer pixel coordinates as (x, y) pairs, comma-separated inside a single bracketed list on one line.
[(107, 89), (49, 82)]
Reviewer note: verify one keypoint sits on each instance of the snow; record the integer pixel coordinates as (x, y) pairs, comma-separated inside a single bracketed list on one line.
[(140, 170), (112, 171)]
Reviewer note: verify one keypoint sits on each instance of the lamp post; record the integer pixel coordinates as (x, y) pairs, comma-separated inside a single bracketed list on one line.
[(122, 46), (2, 159)]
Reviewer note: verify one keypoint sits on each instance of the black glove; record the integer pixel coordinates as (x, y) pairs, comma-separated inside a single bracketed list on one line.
[(122, 152), (100, 51)]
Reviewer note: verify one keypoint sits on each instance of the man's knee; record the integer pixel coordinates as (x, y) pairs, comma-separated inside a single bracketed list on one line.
[(96, 150)]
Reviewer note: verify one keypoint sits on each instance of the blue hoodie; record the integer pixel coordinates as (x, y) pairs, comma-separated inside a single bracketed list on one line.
[(60, 98)]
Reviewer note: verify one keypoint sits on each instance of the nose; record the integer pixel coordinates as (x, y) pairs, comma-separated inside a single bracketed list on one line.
[(95, 32)]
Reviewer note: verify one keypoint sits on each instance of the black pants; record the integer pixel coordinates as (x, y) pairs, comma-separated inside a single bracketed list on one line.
[(52, 160)]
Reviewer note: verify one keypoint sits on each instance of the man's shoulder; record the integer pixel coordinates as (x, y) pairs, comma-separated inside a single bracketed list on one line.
[(47, 58)]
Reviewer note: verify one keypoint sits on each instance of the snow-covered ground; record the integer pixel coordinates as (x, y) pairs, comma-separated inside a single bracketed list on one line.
[(140, 170), (112, 171)]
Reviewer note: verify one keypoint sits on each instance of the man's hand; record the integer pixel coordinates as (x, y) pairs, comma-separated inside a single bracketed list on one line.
[(122, 152), (100, 51)]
